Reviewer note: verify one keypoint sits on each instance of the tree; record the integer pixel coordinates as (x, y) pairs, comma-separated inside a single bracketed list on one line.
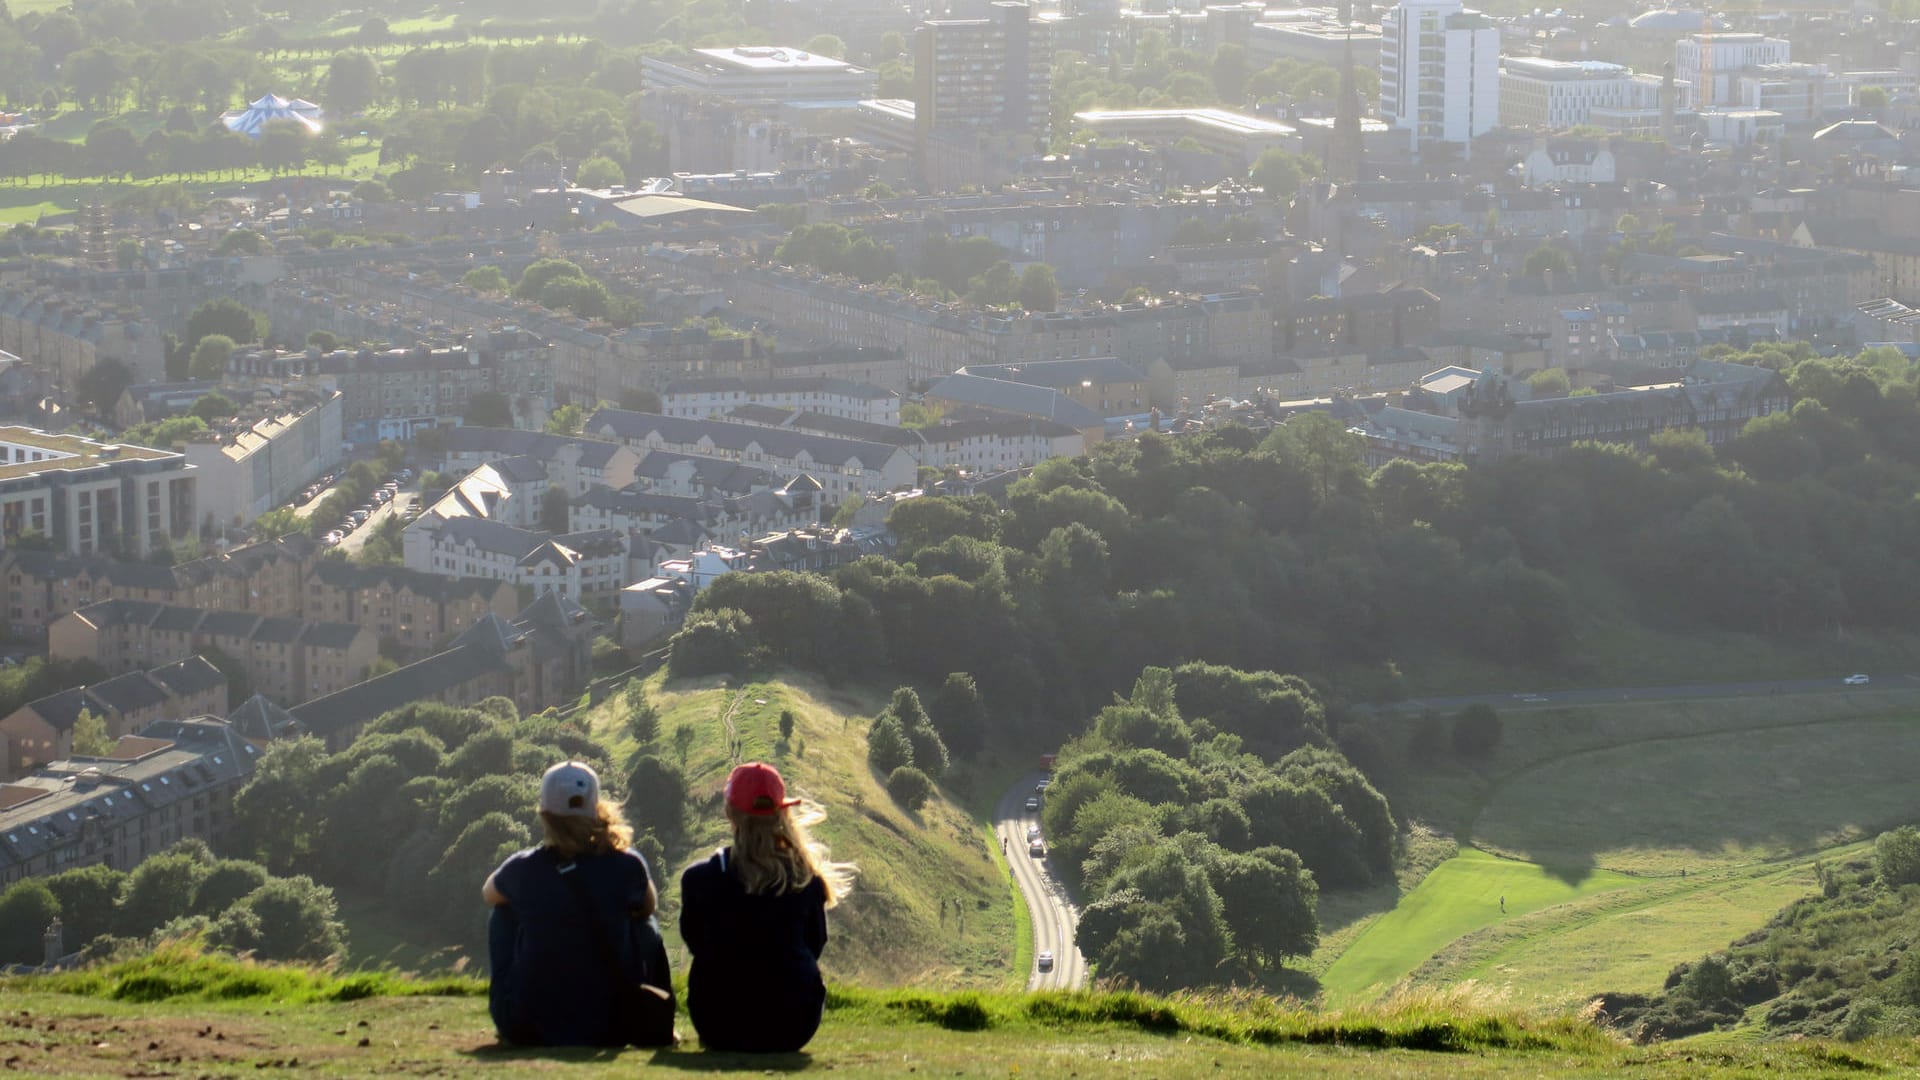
[(112, 150), (353, 82), (566, 420), (488, 408), (1547, 259), (1550, 382), (240, 242), (225, 316), (289, 919), (786, 723), (87, 898), (1476, 731), (278, 522), (213, 406), (489, 280), (1038, 290), (1278, 173), (322, 340), (718, 641), (100, 388), (657, 798), (226, 882), (27, 908), (600, 173), (639, 399), (909, 787), (210, 356), (826, 45), (683, 737), (90, 738), (959, 714), (1871, 97), (643, 719), (887, 745), (554, 509), (1269, 901), (1230, 72), (1896, 856), (159, 890)]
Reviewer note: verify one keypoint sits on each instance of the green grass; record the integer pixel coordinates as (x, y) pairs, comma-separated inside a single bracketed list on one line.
[(31, 200), (892, 929), (1621, 940), (1460, 896), (179, 1013), (1711, 800)]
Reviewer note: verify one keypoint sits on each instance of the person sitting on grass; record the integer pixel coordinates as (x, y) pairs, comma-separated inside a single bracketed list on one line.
[(754, 917), (571, 919)]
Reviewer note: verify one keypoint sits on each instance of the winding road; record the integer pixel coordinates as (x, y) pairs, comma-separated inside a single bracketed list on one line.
[(1054, 915)]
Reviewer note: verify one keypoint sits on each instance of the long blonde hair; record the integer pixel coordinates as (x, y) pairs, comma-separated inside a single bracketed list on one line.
[(774, 853), (572, 835)]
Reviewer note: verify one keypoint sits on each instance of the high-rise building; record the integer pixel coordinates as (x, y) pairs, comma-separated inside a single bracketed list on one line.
[(1439, 71), (1708, 66), (988, 75)]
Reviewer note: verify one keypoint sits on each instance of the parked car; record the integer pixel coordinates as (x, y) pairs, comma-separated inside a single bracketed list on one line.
[(1856, 680)]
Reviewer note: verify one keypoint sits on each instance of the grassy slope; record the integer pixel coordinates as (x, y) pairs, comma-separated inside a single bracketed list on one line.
[(1742, 794), (891, 930), (177, 1014)]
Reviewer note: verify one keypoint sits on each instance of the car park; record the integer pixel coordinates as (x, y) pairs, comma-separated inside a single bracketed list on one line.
[(1856, 680), (1045, 961)]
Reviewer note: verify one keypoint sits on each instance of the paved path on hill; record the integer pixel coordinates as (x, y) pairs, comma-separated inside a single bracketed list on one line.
[(1054, 915)]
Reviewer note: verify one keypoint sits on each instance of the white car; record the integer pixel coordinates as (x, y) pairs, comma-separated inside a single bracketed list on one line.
[(1046, 961), (1856, 680), (1033, 833)]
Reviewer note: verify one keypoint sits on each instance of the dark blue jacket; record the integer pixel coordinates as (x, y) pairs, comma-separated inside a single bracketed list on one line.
[(754, 983)]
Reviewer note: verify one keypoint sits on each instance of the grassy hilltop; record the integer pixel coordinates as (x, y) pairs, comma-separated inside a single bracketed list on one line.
[(177, 1013)]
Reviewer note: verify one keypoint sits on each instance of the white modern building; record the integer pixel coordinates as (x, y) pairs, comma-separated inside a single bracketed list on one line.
[(1537, 94), (1439, 71), (1707, 67), (760, 75)]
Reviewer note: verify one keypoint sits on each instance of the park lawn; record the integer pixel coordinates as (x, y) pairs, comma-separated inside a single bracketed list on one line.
[(1460, 896), (896, 928), (1621, 940), (30, 201), (1726, 799)]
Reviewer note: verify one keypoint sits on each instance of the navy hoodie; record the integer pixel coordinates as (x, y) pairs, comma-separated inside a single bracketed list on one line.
[(754, 983)]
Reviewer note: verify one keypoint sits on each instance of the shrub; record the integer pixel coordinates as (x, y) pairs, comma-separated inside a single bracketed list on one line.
[(887, 745), (1896, 856), (909, 787), (715, 642)]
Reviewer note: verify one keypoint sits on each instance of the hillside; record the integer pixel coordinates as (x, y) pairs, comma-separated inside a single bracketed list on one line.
[(893, 930), (174, 1013)]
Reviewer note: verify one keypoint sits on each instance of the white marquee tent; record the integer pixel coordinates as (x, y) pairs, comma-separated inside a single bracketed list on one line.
[(251, 120)]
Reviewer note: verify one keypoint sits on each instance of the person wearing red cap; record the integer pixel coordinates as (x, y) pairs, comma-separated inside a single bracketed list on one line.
[(754, 918)]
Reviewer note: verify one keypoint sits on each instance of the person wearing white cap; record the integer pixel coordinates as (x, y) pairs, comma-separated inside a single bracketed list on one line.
[(572, 922)]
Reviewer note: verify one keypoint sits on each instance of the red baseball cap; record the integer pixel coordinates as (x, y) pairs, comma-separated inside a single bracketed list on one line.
[(756, 788)]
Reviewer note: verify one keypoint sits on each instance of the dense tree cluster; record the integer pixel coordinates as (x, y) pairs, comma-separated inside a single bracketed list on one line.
[(415, 813), (1192, 852), (230, 904)]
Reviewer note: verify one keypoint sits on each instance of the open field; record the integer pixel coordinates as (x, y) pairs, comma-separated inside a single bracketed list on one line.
[(898, 927), (30, 201), (1586, 818), (1710, 800)]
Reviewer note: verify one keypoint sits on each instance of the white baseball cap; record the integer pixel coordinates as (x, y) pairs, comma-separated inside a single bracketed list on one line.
[(570, 789)]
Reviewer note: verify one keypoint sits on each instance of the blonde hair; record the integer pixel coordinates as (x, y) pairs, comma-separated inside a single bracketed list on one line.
[(572, 835), (774, 853)]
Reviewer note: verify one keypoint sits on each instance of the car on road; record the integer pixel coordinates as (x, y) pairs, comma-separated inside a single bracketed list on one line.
[(1037, 849), (1856, 680), (1033, 803), (1045, 961), (1033, 833)]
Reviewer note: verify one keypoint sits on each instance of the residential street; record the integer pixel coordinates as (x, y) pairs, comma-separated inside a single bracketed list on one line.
[(1053, 915)]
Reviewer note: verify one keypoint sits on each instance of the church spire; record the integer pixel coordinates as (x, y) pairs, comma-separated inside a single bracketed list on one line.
[(1346, 155)]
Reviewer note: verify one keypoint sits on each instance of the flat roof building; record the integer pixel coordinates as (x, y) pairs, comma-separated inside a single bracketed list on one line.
[(760, 75), (89, 497), (1218, 130)]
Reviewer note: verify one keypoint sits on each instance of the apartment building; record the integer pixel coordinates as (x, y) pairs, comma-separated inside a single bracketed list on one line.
[(264, 578), (250, 467), (417, 612), (1439, 71), (993, 74), (1538, 94), (287, 659), (575, 566), (701, 398), (89, 497), (573, 464), (66, 336), (175, 779), (41, 731), (1707, 67), (842, 466)]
